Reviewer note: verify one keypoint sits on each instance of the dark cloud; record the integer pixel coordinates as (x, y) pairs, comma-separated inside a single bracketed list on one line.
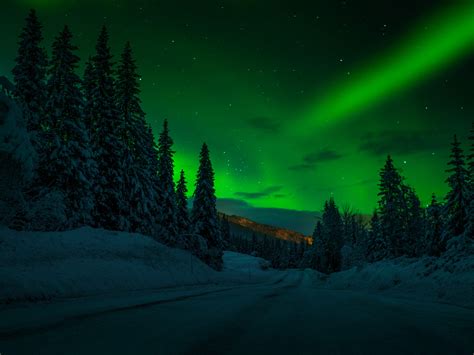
[(259, 194), (312, 159), (300, 221), (401, 142), (264, 124)]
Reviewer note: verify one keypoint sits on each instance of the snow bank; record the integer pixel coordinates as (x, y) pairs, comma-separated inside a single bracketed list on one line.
[(84, 262), (449, 279)]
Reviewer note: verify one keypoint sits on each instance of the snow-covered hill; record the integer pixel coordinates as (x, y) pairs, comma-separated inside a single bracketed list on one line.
[(87, 261), (448, 279)]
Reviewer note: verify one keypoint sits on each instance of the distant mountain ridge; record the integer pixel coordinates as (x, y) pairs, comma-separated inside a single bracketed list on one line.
[(245, 226)]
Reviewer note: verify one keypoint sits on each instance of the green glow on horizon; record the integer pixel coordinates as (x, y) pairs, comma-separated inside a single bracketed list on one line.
[(450, 36)]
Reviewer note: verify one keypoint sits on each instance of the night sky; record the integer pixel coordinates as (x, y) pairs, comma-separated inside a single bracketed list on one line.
[(298, 100)]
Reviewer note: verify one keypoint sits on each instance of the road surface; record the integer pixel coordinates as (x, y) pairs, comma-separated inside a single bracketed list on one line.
[(285, 316)]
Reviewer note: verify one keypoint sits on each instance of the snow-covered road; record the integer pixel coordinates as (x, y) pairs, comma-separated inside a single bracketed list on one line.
[(285, 315)]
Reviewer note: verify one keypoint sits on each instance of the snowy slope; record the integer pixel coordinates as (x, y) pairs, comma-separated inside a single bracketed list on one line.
[(446, 280), (83, 262)]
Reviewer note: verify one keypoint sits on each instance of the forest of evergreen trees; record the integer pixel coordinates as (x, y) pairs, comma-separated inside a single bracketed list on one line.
[(400, 226), (96, 161), (97, 164)]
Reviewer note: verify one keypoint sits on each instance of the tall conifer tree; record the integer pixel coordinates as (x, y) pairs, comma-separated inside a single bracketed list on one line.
[(204, 213), (166, 193), (390, 207), (67, 165), (182, 205), (434, 229), (30, 73), (139, 184), (111, 210), (457, 199)]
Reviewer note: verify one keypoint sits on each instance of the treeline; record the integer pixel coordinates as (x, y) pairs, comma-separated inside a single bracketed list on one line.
[(281, 254), (400, 226), (97, 163)]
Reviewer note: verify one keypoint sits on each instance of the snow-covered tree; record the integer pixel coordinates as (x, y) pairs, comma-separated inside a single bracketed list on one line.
[(139, 189), (110, 210), (182, 213), (332, 236), (434, 243), (390, 207), (29, 73), (470, 221), (88, 87), (377, 244), (458, 197), (471, 158), (166, 192), (413, 233), (17, 164), (226, 233), (312, 257), (204, 213), (66, 162)]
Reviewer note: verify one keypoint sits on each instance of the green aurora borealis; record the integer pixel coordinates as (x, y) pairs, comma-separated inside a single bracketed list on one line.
[(296, 100)]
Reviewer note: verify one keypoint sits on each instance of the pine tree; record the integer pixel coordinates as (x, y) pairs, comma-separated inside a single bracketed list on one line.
[(139, 183), (111, 210), (471, 159), (377, 248), (226, 233), (317, 248), (390, 207), (435, 244), (66, 162), (30, 73), (457, 199), (182, 205), (166, 193), (470, 223), (332, 235), (204, 213), (412, 242), (88, 86)]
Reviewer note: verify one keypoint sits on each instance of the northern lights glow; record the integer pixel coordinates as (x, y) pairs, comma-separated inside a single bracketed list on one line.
[(450, 36), (266, 85)]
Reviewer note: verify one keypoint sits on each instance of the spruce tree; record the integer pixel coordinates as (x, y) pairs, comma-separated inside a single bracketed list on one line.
[(471, 159), (110, 210), (166, 193), (413, 233), (29, 73), (226, 233), (139, 184), (332, 235), (457, 199), (377, 248), (182, 205), (88, 86), (390, 207), (435, 244), (317, 248), (67, 164), (470, 221), (204, 213)]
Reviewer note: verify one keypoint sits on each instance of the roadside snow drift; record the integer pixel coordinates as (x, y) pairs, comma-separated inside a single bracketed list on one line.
[(449, 279), (83, 262)]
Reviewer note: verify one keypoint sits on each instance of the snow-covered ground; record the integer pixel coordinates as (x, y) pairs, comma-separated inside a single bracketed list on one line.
[(449, 279), (85, 262)]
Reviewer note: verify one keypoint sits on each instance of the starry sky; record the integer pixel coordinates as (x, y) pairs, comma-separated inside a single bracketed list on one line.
[(298, 100)]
